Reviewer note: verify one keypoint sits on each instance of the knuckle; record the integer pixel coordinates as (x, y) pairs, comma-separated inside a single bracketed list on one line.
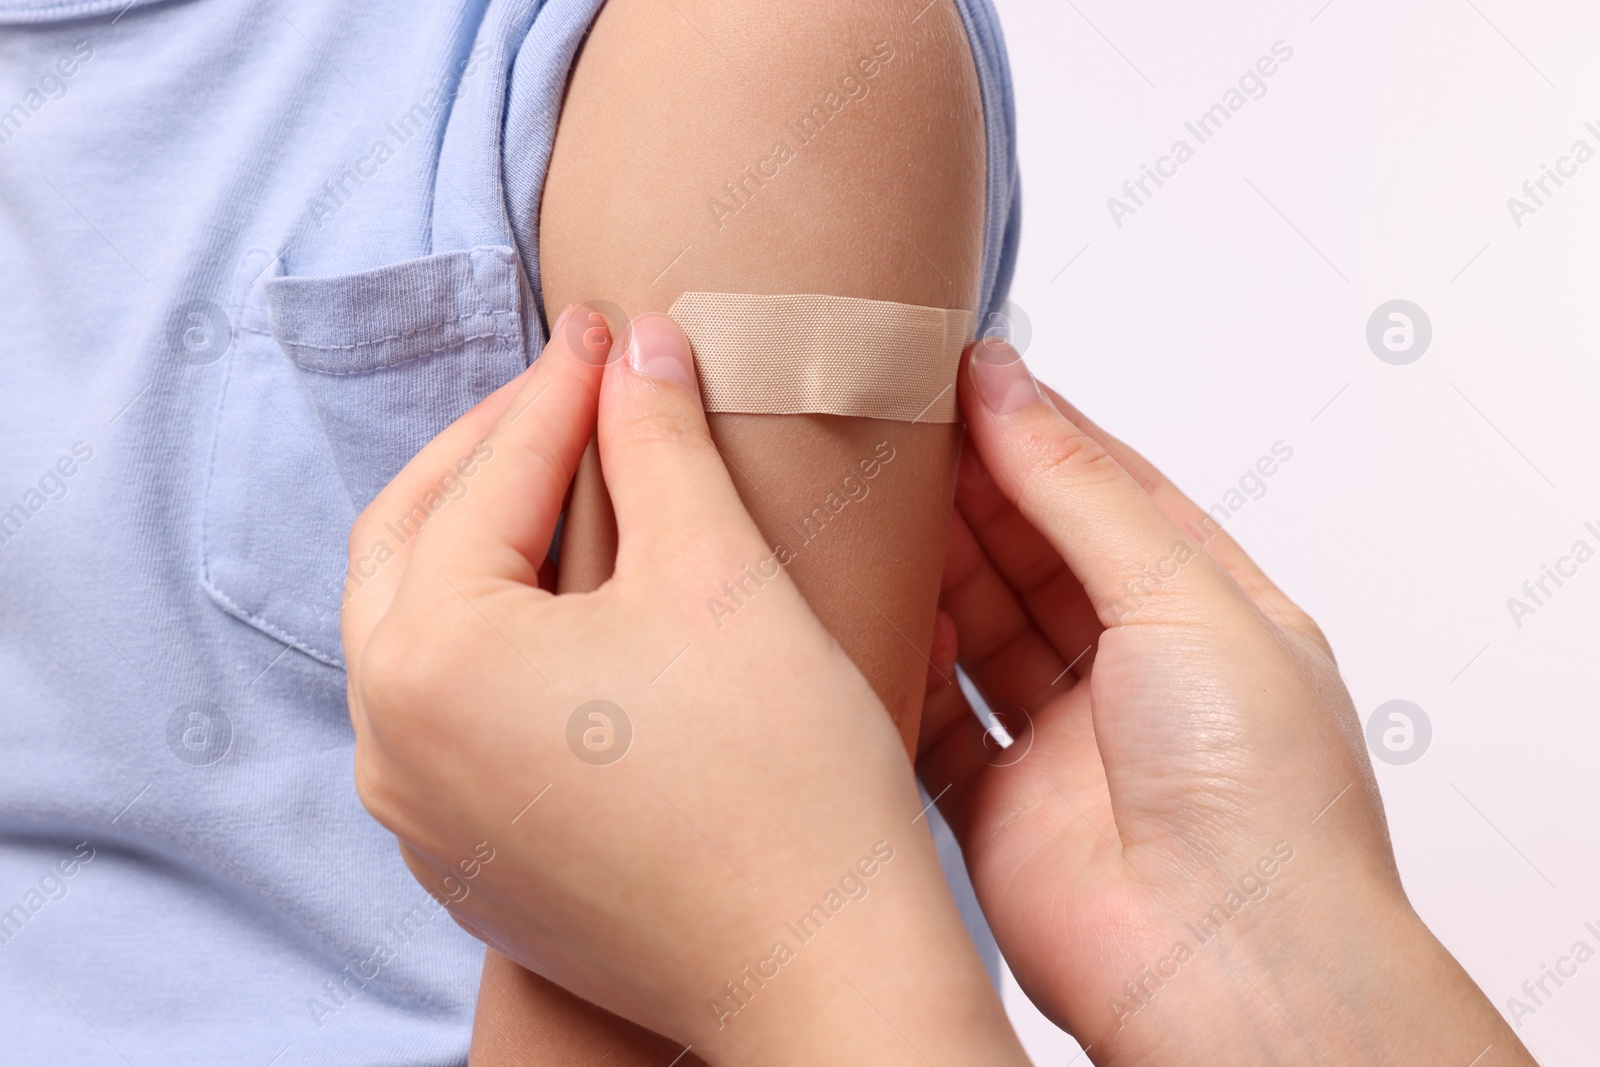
[(1039, 571), (372, 787), (533, 454), (667, 430), (381, 788), (403, 674), (1311, 630), (1067, 453)]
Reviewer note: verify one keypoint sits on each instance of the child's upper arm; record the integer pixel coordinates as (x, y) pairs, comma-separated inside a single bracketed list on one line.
[(747, 146)]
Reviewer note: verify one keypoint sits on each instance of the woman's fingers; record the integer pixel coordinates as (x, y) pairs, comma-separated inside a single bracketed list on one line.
[(502, 525), (1017, 669), (1002, 647), (668, 484), (1132, 561), (1025, 564), (383, 535), (1201, 527)]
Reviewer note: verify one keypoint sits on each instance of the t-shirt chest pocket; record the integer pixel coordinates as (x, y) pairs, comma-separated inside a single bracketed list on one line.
[(332, 386)]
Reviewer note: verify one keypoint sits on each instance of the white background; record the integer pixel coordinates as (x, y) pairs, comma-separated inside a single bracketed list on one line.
[(1230, 313)]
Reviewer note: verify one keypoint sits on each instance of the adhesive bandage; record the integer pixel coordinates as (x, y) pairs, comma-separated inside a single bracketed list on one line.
[(832, 355)]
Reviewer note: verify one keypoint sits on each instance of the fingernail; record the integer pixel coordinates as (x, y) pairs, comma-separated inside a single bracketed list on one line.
[(1002, 378), (555, 328), (658, 349)]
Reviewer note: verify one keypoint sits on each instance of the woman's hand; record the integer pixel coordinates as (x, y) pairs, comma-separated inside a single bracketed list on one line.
[(701, 821), (1183, 854)]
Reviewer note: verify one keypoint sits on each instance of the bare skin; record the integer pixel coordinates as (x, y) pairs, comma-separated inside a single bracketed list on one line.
[(1096, 855), (1175, 813), (1190, 864), (670, 103), (752, 879)]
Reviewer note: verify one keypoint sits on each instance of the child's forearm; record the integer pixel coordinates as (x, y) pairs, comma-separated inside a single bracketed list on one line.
[(524, 1020)]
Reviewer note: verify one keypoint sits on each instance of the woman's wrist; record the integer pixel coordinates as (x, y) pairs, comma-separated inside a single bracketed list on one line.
[(1356, 978)]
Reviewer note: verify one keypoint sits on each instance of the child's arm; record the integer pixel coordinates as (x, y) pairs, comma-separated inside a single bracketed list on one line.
[(524, 1020), (673, 103), (665, 179)]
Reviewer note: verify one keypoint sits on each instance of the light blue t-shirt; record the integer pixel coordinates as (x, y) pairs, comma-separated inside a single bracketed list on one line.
[(252, 257)]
